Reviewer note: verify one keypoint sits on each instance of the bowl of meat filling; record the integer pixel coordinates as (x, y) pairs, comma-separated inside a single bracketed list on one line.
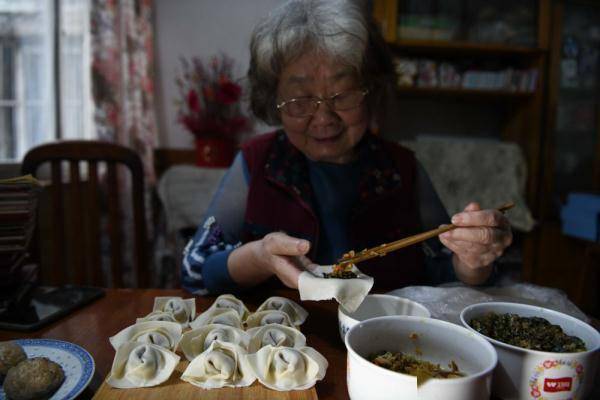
[(409, 358), (541, 353)]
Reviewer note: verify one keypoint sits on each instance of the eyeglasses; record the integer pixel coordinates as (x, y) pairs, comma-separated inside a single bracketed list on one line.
[(306, 106)]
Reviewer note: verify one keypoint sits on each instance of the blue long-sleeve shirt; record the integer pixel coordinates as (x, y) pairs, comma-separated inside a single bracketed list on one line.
[(205, 269)]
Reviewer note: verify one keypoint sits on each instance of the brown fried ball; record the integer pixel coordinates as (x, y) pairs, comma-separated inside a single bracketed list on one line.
[(10, 355), (32, 379)]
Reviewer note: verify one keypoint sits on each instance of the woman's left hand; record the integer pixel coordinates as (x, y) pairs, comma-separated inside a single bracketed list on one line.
[(481, 237)]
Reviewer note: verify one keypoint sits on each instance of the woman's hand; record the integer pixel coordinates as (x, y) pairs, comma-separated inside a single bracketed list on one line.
[(275, 254), (481, 237)]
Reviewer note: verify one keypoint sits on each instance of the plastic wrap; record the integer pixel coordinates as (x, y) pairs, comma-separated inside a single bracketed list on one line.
[(446, 302)]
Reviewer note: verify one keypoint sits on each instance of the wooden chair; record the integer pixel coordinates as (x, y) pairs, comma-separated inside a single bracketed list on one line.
[(75, 221)]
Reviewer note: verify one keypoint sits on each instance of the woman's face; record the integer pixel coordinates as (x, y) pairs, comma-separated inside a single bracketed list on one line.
[(327, 135)]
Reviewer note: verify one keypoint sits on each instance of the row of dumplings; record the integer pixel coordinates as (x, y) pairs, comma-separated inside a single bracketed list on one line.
[(221, 353)]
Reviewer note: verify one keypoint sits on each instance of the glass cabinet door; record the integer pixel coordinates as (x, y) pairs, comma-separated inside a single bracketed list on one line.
[(576, 148)]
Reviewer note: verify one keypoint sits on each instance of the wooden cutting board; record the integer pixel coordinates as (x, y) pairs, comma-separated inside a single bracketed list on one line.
[(175, 388)]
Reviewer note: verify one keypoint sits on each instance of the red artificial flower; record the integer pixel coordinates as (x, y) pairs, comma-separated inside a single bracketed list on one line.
[(228, 93), (193, 101)]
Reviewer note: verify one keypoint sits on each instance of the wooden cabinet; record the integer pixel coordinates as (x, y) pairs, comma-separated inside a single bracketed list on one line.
[(534, 37), (571, 150)]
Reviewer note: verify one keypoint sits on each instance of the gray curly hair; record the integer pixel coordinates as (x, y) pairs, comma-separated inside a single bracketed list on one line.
[(342, 29)]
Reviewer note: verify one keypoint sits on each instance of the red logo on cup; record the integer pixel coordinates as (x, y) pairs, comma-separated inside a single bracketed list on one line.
[(558, 384)]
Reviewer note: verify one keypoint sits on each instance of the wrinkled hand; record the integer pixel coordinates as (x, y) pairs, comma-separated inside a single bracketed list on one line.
[(481, 236), (283, 256)]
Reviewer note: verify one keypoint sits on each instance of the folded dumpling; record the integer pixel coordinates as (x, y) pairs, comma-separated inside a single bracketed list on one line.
[(183, 310), (222, 364), (157, 316), (296, 313), (198, 340), (286, 368), (230, 301), (268, 317), (162, 333), (141, 365), (223, 316), (274, 335)]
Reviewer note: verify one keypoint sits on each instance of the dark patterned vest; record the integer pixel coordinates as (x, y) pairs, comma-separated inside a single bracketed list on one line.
[(280, 198)]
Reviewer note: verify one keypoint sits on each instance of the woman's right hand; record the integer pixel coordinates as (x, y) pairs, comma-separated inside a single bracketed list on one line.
[(275, 254)]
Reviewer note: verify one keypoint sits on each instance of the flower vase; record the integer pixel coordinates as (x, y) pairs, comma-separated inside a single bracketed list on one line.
[(215, 153)]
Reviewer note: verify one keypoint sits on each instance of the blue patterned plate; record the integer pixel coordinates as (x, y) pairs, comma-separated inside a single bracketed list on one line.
[(77, 364)]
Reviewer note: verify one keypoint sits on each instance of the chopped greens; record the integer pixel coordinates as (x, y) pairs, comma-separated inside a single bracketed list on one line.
[(533, 333), (407, 364)]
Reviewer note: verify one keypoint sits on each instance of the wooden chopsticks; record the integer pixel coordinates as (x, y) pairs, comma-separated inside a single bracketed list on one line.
[(383, 249)]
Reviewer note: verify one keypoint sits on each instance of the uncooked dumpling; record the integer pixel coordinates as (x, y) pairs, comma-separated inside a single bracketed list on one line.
[(183, 310), (296, 313), (229, 301), (274, 335), (157, 316), (198, 340), (222, 364), (141, 365), (285, 368), (268, 317), (162, 333), (224, 316)]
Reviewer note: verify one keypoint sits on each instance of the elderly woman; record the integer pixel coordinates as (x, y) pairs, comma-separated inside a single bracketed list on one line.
[(324, 183)]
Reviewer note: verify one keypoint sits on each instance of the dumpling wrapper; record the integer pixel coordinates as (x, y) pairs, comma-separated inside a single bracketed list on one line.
[(274, 335), (184, 310), (229, 301), (286, 368), (222, 364), (223, 316), (348, 292), (162, 333), (141, 365), (261, 318), (198, 340), (157, 316), (296, 313)]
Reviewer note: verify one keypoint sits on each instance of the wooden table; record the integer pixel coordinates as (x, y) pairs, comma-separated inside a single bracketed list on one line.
[(91, 326)]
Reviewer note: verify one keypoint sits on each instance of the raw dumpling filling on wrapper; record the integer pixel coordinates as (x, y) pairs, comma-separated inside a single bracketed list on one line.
[(348, 292)]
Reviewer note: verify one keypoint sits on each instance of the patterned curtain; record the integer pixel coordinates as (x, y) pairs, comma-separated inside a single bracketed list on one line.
[(122, 75), (123, 91)]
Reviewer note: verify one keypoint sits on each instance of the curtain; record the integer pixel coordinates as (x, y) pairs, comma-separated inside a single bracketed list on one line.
[(122, 76), (122, 70)]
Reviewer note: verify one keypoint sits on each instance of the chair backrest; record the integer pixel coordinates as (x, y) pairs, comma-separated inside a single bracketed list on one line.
[(77, 232)]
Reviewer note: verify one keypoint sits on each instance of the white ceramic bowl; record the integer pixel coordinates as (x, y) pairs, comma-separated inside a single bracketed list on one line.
[(439, 342), (530, 374), (378, 305)]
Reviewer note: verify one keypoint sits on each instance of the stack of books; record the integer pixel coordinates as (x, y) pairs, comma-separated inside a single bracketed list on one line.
[(18, 205)]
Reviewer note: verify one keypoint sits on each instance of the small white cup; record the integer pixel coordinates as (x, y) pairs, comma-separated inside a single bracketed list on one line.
[(379, 305)]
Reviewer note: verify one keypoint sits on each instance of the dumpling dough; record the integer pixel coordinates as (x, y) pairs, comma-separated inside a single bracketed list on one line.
[(162, 333), (141, 365), (269, 317), (183, 310), (222, 364), (198, 340), (285, 368), (296, 313), (223, 316), (274, 335)]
